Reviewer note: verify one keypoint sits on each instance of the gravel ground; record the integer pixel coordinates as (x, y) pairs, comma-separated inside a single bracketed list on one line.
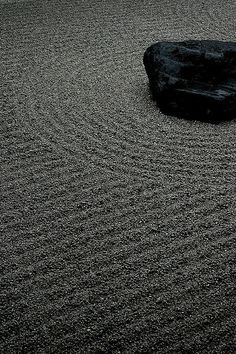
[(117, 222)]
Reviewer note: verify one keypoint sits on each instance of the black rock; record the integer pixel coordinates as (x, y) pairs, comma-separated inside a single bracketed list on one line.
[(193, 79)]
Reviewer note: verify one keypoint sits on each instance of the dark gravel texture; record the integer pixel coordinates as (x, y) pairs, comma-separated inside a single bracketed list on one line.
[(117, 222)]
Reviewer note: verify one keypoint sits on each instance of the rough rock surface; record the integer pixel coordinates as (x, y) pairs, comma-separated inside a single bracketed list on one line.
[(193, 79)]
